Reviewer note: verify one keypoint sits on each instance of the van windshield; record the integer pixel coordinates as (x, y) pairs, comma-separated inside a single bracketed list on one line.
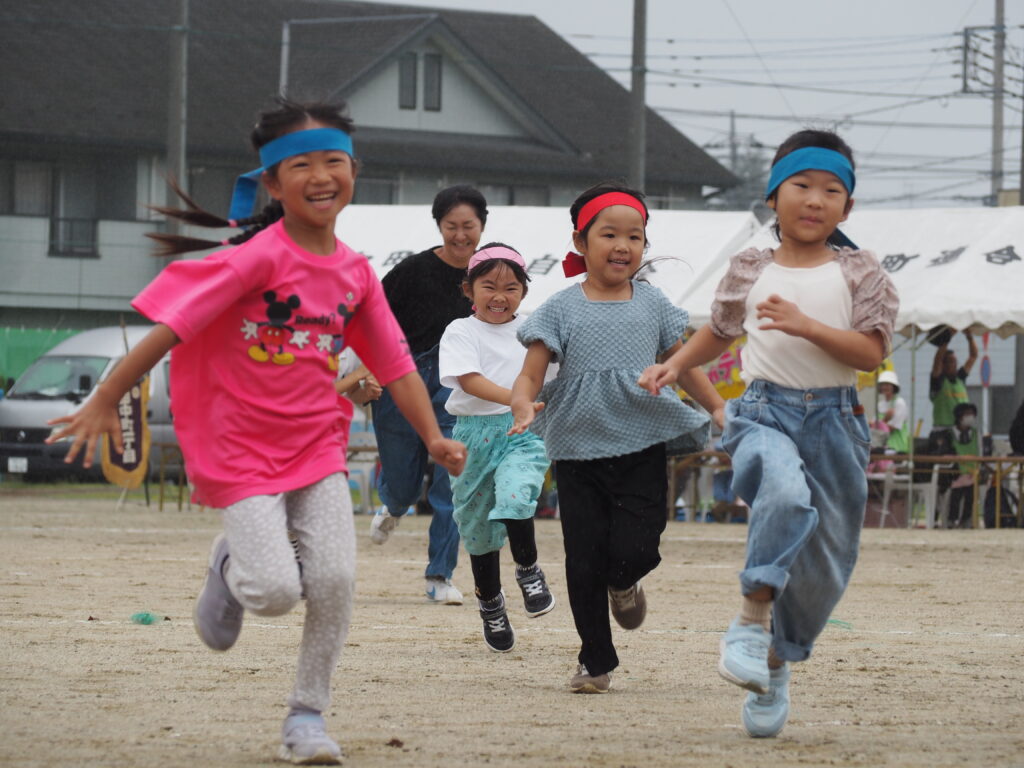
[(58, 376)]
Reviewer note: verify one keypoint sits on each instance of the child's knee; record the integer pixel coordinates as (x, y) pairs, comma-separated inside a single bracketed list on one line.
[(270, 596)]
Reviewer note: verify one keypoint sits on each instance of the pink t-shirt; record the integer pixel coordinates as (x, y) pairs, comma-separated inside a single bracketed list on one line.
[(252, 383)]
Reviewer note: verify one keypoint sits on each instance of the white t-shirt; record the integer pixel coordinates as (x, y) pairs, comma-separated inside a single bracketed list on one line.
[(469, 345), (820, 293), (900, 412), (348, 361)]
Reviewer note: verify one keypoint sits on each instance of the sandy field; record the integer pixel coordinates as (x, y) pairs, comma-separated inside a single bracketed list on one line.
[(922, 665)]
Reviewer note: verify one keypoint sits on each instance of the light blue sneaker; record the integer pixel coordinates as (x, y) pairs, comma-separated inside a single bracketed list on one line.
[(744, 659), (765, 715)]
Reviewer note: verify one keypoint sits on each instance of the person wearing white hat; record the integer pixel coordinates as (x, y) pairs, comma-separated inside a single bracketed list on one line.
[(893, 412)]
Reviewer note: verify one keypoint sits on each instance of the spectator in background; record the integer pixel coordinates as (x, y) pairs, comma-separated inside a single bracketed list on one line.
[(965, 443), (1017, 432), (893, 412), (948, 387)]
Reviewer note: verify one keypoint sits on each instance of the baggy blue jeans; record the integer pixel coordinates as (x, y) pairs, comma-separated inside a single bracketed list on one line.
[(799, 460), (403, 462)]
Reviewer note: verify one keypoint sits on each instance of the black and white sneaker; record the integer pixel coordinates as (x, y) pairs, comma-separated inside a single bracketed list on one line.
[(536, 596), (498, 632)]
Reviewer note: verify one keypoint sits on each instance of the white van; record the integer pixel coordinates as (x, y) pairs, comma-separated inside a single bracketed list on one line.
[(57, 384)]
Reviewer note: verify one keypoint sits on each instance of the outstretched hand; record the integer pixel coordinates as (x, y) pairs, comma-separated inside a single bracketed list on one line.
[(523, 417), (783, 316), (85, 426), (657, 376), (450, 454)]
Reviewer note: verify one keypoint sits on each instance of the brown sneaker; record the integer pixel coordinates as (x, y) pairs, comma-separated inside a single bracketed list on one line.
[(629, 606), (584, 682)]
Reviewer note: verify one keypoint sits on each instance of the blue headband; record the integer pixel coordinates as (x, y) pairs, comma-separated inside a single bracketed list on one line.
[(273, 152), (811, 158)]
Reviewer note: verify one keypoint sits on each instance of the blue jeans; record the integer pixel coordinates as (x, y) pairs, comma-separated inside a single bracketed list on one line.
[(403, 461), (799, 459)]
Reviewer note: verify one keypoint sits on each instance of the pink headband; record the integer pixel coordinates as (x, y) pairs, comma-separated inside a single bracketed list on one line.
[(573, 264), (495, 252)]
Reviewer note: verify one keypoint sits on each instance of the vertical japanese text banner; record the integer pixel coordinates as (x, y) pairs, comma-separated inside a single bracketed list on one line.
[(128, 469)]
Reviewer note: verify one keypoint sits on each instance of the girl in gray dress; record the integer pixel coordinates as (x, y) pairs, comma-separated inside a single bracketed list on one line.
[(607, 437)]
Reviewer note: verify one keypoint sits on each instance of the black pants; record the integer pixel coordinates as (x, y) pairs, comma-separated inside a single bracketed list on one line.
[(961, 507), (613, 512)]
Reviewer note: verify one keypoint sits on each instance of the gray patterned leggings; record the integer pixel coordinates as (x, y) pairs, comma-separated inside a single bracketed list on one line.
[(264, 577)]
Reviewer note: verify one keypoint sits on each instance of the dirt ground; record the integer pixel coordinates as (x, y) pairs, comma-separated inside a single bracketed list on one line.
[(922, 665)]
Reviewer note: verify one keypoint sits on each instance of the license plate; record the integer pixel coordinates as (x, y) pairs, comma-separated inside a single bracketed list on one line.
[(17, 464)]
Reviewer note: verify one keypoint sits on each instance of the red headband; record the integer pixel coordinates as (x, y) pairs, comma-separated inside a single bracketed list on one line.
[(608, 199), (573, 264)]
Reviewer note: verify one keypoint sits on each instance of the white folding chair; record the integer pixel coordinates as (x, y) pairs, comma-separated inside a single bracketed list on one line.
[(928, 490)]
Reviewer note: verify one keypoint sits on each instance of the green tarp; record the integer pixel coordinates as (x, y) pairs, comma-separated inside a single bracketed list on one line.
[(19, 348)]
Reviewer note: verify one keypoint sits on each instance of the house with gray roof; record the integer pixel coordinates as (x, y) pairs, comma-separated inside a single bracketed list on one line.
[(438, 97)]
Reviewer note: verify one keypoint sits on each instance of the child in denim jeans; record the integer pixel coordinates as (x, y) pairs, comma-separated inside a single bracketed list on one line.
[(815, 311)]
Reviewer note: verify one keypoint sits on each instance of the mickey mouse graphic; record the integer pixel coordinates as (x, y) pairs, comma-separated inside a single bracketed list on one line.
[(275, 332), (338, 339)]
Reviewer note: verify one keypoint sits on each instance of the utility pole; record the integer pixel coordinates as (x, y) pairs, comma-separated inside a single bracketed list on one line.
[(733, 148), (638, 109), (997, 102), (177, 107)]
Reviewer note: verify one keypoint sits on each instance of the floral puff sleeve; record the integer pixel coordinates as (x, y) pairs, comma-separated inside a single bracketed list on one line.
[(875, 301), (545, 324), (729, 309)]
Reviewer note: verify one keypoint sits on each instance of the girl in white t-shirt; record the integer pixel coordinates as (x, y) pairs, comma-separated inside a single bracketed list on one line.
[(815, 311), (496, 495)]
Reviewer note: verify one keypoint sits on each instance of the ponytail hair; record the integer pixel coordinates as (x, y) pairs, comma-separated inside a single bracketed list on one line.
[(286, 117)]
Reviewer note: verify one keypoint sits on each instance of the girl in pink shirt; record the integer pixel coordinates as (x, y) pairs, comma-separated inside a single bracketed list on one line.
[(254, 333)]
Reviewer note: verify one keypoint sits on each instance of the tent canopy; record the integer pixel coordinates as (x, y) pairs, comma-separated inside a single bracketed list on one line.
[(962, 267), (386, 233)]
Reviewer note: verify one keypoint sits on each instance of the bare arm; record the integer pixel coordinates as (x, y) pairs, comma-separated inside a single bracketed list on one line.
[(940, 355), (99, 413), (697, 385), (478, 385), (360, 386), (703, 347), (527, 385), (863, 351), (411, 397), (972, 351)]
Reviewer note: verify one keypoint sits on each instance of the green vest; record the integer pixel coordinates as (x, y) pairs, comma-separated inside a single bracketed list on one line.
[(899, 439), (970, 448), (945, 399)]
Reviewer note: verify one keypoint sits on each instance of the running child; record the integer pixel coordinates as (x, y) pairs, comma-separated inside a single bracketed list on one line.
[(254, 333), (814, 313), (607, 437), (496, 495)]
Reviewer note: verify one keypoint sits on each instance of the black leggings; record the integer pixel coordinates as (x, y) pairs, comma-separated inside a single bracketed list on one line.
[(486, 570), (613, 512)]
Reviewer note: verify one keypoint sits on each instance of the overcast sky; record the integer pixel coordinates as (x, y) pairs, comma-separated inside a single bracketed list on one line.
[(886, 69)]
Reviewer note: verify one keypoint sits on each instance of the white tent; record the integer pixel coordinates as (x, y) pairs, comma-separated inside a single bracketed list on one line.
[(962, 267), (386, 233)]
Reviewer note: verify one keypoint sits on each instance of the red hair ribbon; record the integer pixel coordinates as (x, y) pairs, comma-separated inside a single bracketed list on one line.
[(573, 264)]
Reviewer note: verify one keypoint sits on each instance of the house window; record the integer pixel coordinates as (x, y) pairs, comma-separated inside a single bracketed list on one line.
[(32, 189), (432, 82), (407, 81)]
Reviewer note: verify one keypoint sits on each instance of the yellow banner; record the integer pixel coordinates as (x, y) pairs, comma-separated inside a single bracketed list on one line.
[(128, 469)]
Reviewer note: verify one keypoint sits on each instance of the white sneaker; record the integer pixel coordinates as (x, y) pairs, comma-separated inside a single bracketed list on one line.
[(443, 591), (382, 525)]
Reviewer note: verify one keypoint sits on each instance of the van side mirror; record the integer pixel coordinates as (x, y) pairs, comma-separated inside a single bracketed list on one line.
[(84, 383)]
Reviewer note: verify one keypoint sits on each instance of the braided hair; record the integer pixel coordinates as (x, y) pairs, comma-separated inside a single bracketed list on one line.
[(272, 124)]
